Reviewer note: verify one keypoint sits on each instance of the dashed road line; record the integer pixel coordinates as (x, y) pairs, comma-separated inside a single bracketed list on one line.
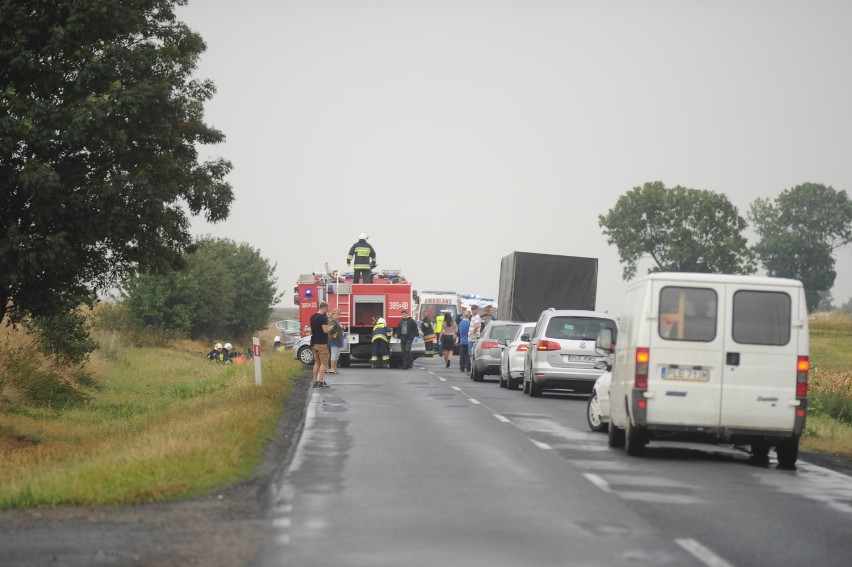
[(502, 418), (598, 481), (474, 402), (456, 388), (540, 445), (442, 379), (702, 553)]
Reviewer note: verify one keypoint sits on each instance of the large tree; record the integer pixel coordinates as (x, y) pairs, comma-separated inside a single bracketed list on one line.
[(225, 290), (799, 232), (100, 121), (679, 229)]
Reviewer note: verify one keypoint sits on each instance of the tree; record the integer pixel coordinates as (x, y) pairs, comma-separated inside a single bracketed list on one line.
[(224, 290), (100, 122), (680, 229), (799, 232)]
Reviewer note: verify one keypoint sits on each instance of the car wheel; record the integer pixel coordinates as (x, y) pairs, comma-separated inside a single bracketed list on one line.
[(535, 389), (615, 438), (475, 375), (788, 453), (760, 452), (502, 381), (593, 414), (634, 440), (306, 355), (511, 383), (526, 387), (344, 360)]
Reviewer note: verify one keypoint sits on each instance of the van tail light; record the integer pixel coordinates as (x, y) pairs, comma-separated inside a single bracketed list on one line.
[(489, 344), (802, 367), (640, 380), (523, 347), (548, 345)]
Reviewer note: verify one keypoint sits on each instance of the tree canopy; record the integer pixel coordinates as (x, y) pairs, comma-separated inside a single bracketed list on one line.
[(225, 290), (100, 121), (799, 232), (679, 229)]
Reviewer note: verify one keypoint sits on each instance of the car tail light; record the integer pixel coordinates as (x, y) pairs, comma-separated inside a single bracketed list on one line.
[(523, 347), (489, 344), (640, 380), (802, 367), (548, 345)]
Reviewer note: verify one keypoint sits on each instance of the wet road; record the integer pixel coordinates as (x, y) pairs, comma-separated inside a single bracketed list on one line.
[(425, 467)]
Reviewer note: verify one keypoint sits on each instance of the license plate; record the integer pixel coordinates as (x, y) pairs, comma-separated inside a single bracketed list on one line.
[(686, 374), (580, 357)]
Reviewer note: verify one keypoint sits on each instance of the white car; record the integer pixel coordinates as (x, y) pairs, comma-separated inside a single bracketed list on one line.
[(512, 361), (597, 410)]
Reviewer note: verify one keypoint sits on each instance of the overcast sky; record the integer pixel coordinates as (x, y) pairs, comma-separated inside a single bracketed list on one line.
[(455, 132)]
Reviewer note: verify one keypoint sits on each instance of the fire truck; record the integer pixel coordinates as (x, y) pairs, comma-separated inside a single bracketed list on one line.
[(361, 305)]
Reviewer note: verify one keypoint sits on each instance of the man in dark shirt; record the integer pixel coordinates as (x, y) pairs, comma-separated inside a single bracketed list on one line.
[(319, 343), (406, 331)]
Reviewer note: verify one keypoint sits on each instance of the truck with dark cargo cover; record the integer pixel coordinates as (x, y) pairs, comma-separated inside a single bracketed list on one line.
[(532, 282)]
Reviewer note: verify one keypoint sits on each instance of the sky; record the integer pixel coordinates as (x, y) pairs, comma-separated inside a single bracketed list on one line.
[(456, 132)]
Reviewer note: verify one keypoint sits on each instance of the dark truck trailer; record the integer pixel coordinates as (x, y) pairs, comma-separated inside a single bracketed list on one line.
[(531, 283)]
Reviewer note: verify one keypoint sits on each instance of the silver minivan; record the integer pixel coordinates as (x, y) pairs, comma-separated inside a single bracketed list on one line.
[(562, 354)]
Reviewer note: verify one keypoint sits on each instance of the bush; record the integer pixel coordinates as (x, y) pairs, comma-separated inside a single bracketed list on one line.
[(831, 394), (63, 336), (32, 380)]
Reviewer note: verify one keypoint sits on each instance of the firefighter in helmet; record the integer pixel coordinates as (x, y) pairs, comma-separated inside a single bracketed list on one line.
[(381, 345), (362, 258)]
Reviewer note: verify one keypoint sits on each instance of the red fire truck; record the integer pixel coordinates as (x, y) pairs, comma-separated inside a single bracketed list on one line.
[(361, 305)]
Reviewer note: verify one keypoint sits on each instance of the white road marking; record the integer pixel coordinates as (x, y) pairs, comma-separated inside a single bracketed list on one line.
[(702, 553), (282, 522), (541, 445), (598, 481), (474, 402), (456, 388), (442, 379), (502, 418)]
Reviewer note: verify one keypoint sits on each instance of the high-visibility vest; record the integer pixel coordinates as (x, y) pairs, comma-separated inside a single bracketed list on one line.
[(439, 322)]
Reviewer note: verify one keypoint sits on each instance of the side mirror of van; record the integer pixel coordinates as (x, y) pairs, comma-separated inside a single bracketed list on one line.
[(525, 337), (603, 342)]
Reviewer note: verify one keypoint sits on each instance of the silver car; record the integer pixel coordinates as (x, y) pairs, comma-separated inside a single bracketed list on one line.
[(562, 352), (489, 348), (512, 361)]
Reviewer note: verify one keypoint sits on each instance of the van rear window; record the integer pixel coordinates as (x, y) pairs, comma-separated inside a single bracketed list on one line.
[(688, 314), (761, 317)]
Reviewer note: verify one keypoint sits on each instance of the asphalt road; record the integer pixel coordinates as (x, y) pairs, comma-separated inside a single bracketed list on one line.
[(425, 467)]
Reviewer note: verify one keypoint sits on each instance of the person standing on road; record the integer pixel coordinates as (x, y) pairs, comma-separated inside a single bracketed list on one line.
[(381, 346), (362, 257), (464, 328), (406, 331), (448, 336), (428, 336), (319, 343), (439, 323), (473, 334), (335, 339)]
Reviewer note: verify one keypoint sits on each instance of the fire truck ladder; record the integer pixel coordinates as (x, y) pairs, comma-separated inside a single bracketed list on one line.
[(343, 293)]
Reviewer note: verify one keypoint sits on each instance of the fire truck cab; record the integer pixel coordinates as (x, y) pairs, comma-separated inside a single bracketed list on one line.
[(361, 305)]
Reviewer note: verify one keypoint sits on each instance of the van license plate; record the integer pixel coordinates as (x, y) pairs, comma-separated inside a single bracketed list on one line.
[(686, 374), (580, 358)]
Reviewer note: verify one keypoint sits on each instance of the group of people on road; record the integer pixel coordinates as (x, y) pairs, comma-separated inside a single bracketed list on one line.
[(467, 326)]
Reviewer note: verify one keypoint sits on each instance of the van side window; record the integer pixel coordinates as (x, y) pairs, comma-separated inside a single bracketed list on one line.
[(687, 314), (762, 317)]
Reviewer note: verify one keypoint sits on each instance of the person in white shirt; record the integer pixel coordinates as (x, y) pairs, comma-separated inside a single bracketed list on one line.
[(473, 333)]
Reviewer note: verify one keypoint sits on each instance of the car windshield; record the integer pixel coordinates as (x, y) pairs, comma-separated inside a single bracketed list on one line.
[(502, 331), (579, 328)]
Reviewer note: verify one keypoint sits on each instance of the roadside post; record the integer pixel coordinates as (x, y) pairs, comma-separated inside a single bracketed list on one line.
[(255, 343)]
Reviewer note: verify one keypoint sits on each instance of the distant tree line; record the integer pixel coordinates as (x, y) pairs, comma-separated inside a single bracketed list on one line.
[(690, 230)]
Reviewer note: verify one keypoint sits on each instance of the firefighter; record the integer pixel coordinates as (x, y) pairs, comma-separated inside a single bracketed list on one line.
[(439, 324), (428, 336), (381, 345), (364, 259)]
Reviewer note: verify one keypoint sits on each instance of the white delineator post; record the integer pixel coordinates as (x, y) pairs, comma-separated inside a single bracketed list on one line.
[(255, 343)]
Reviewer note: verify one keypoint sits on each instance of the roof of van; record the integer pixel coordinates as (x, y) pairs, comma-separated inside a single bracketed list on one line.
[(720, 278)]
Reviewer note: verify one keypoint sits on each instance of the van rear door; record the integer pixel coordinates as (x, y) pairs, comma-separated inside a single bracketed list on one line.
[(685, 365), (759, 378)]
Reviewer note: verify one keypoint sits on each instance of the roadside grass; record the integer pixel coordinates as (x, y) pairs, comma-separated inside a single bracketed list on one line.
[(829, 426), (152, 425)]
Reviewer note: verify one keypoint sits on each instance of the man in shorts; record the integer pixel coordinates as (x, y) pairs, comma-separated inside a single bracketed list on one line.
[(319, 343)]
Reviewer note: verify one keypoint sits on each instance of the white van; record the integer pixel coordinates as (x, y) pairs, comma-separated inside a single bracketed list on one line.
[(711, 358)]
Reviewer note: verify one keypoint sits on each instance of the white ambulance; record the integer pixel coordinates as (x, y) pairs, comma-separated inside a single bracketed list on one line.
[(711, 358)]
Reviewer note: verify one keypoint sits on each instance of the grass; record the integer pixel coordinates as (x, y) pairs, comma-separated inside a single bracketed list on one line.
[(153, 425), (829, 427)]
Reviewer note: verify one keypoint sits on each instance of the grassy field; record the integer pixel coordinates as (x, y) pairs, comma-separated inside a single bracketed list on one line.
[(143, 425)]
